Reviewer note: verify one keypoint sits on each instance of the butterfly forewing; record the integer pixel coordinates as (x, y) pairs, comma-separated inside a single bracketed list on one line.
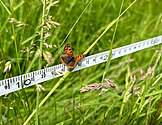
[(68, 50), (79, 58)]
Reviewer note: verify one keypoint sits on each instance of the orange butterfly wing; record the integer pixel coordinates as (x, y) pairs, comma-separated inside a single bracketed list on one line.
[(69, 59), (68, 50), (79, 58)]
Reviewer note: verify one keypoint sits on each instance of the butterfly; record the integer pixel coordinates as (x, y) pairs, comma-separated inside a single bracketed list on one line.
[(68, 57)]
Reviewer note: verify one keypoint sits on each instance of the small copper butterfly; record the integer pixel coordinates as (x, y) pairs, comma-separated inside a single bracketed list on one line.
[(68, 57)]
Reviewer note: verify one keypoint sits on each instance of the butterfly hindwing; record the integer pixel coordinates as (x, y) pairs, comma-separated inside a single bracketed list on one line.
[(68, 61), (63, 58), (68, 50), (71, 64)]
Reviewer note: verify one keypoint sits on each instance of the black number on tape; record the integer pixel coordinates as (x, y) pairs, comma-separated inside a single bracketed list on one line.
[(18, 85), (43, 75), (27, 82), (105, 57)]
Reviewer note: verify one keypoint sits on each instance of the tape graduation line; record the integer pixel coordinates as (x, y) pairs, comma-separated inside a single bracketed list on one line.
[(23, 81)]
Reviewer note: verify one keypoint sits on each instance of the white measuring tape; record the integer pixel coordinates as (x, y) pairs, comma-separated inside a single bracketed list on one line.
[(23, 81)]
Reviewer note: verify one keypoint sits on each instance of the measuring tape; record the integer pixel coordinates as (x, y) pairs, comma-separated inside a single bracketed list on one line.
[(23, 81)]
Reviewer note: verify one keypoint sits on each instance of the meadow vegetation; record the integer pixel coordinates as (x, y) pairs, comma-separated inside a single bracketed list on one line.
[(33, 35)]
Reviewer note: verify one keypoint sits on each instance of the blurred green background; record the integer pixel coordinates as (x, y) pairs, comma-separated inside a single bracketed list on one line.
[(29, 26)]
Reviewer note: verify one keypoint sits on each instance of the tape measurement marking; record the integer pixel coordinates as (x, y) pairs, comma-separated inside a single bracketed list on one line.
[(26, 80)]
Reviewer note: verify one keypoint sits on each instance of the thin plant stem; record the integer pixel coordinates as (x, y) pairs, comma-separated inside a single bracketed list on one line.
[(40, 59), (48, 95), (111, 46), (108, 27), (5, 7), (74, 25)]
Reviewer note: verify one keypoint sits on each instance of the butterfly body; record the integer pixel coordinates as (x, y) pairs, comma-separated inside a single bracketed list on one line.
[(68, 57)]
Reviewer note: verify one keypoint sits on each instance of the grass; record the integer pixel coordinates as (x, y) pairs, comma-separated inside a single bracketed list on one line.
[(21, 40)]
